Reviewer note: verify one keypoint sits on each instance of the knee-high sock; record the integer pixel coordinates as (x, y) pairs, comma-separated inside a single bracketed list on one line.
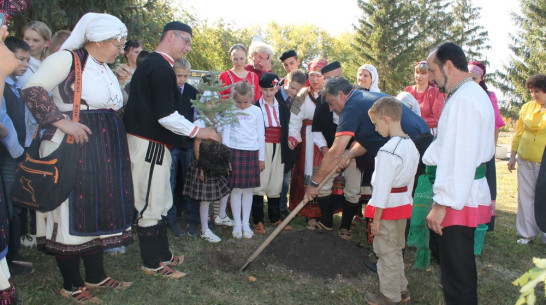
[(93, 262), (236, 205), (163, 242), (216, 208), (204, 215), (258, 209), (326, 211), (349, 211), (223, 206), (148, 241), (273, 209), (247, 205), (69, 265)]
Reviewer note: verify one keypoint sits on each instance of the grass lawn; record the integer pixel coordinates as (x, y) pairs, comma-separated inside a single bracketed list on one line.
[(213, 278)]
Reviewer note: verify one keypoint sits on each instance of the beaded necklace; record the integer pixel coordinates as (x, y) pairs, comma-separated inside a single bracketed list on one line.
[(454, 88)]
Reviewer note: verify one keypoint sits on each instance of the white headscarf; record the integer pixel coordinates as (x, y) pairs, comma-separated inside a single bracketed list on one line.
[(407, 99), (95, 27), (374, 87)]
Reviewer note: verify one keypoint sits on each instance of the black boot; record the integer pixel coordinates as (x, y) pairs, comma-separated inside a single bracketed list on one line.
[(258, 209), (327, 211)]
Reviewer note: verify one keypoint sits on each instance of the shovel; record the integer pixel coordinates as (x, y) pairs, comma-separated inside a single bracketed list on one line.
[(283, 224)]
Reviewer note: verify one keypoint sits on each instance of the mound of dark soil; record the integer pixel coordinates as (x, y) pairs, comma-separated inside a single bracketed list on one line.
[(318, 254)]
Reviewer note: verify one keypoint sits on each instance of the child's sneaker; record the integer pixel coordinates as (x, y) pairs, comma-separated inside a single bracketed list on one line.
[(210, 237), (226, 221), (28, 240)]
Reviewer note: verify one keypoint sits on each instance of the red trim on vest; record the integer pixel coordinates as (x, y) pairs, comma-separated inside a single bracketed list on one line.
[(168, 59), (400, 212), (273, 134)]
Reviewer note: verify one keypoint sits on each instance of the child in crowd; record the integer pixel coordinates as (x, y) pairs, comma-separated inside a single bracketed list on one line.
[(181, 154), (276, 117), (57, 41), (21, 126), (246, 141), (391, 202), (205, 188)]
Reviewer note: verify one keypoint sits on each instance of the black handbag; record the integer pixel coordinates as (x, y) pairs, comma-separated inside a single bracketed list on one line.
[(44, 183)]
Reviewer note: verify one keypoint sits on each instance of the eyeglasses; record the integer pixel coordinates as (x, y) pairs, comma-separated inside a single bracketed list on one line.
[(120, 48), (186, 39)]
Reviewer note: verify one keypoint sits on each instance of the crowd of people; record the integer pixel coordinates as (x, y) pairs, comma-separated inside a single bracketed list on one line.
[(138, 138)]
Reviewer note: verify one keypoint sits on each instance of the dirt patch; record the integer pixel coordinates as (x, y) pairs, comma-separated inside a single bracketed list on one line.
[(318, 254)]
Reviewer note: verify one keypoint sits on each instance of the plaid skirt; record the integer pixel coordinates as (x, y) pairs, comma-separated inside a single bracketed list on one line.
[(245, 169), (211, 189)]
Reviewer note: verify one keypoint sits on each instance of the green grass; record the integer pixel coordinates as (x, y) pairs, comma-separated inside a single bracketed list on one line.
[(213, 278)]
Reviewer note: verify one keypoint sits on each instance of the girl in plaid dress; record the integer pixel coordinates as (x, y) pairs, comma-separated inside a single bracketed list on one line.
[(246, 141), (205, 188)]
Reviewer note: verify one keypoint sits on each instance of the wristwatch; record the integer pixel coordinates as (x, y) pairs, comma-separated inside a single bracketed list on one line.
[(313, 184)]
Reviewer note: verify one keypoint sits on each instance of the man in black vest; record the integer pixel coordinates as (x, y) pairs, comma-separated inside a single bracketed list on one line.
[(153, 123)]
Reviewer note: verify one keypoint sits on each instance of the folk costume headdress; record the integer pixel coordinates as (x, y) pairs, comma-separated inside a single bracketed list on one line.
[(95, 27), (374, 87)]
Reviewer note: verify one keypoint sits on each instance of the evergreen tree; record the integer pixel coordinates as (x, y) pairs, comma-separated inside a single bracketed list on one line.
[(529, 52), (385, 39), (432, 26), (144, 19), (466, 31)]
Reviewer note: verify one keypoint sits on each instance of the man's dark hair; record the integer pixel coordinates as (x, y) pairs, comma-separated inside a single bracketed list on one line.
[(335, 84), (141, 56), (450, 51), (14, 43), (537, 82)]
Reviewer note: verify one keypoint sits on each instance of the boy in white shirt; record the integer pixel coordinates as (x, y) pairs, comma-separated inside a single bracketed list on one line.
[(390, 207)]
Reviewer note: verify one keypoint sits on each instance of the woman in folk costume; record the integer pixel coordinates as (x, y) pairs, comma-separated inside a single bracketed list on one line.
[(368, 78), (477, 71), (300, 134), (237, 54), (98, 214), (431, 101)]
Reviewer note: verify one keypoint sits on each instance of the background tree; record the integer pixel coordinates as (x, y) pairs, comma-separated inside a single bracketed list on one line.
[(211, 43), (145, 19), (529, 52), (385, 39), (431, 28), (466, 30), (308, 40)]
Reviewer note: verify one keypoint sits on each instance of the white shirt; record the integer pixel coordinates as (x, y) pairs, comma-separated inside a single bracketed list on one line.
[(248, 133), (465, 140), (395, 166), (270, 113)]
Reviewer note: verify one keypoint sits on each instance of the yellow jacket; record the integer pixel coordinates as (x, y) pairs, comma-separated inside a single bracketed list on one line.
[(530, 137)]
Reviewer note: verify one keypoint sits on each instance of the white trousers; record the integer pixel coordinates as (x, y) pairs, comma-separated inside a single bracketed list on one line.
[(526, 225)]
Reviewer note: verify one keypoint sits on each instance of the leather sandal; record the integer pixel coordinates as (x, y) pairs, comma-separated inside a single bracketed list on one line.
[(259, 228), (164, 271), (345, 234), (109, 282), (81, 296), (321, 227), (286, 228), (175, 260)]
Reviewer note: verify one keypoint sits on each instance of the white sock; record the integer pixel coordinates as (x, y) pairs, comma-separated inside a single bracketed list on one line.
[(236, 205), (223, 206), (204, 215), (247, 206)]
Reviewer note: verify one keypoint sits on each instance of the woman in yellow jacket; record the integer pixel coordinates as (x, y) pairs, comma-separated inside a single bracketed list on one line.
[(528, 144)]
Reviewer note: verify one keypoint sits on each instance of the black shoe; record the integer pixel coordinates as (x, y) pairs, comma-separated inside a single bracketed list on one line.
[(193, 230), (371, 265), (18, 269), (284, 214), (177, 232)]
